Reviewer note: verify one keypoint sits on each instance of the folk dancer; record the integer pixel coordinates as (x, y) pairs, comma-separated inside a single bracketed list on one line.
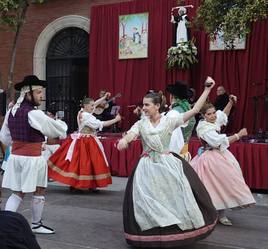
[(215, 164), (165, 203), (25, 127), (80, 162)]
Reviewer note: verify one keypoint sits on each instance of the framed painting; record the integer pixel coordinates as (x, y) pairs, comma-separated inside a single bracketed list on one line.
[(133, 36), (218, 44)]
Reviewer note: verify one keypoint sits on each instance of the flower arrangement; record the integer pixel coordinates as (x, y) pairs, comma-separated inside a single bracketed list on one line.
[(182, 56)]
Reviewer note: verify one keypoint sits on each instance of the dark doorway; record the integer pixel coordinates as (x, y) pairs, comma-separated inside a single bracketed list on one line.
[(67, 74)]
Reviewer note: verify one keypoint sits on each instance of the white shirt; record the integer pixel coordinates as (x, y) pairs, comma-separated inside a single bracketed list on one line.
[(40, 121), (176, 141), (89, 120)]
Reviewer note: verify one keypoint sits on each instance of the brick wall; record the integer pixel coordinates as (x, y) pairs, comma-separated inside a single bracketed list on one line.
[(38, 17)]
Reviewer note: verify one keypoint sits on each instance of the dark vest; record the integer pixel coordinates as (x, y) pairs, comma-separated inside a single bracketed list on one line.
[(20, 128)]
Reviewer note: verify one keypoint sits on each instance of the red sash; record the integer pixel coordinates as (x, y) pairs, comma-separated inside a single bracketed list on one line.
[(26, 149)]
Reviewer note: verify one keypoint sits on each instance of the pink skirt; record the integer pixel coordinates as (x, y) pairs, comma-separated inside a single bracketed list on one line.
[(223, 179)]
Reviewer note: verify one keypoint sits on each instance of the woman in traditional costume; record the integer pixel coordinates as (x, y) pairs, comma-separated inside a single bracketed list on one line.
[(165, 203), (215, 164), (80, 161)]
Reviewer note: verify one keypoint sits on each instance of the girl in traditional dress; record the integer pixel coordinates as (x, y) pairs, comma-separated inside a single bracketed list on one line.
[(165, 204), (215, 164), (80, 161)]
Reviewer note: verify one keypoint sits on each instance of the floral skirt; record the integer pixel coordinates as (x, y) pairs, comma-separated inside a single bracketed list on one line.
[(172, 235), (87, 167)]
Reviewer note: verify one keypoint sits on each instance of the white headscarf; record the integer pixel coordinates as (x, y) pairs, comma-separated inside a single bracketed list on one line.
[(182, 11), (23, 92)]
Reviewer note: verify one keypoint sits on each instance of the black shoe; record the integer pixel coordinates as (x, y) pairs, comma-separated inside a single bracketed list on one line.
[(76, 190), (93, 190), (41, 229)]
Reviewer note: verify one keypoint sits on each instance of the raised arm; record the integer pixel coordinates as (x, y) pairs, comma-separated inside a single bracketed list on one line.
[(228, 107), (209, 84), (100, 100)]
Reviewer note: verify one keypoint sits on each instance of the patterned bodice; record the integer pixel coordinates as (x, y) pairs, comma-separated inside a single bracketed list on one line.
[(156, 139)]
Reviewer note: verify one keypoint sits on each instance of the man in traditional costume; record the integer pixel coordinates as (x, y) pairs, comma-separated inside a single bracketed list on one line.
[(25, 128), (179, 95)]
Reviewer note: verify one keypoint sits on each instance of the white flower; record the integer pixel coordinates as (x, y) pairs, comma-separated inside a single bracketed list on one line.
[(182, 56)]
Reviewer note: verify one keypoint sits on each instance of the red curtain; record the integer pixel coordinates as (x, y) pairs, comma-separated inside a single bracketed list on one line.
[(242, 72)]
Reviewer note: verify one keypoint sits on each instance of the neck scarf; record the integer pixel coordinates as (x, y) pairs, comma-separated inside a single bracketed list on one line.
[(183, 103)]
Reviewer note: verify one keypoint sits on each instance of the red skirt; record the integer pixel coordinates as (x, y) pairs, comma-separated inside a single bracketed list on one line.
[(88, 167)]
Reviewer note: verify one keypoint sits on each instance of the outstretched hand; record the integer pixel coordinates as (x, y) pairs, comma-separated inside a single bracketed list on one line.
[(243, 132), (118, 117), (122, 144)]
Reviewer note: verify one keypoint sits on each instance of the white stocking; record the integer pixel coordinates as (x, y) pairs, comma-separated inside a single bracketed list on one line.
[(38, 202), (13, 203)]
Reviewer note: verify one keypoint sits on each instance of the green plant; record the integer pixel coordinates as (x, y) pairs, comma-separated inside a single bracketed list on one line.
[(232, 17), (182, 56)]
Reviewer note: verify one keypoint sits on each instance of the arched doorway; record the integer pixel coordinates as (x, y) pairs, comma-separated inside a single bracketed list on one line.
[(67, 73)]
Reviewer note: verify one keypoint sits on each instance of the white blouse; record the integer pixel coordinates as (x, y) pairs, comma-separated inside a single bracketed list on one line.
[(89, 120), (209, 132)]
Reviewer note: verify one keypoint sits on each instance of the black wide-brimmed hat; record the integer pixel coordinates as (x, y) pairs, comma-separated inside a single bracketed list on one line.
[(30, 80), (179, 90)]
